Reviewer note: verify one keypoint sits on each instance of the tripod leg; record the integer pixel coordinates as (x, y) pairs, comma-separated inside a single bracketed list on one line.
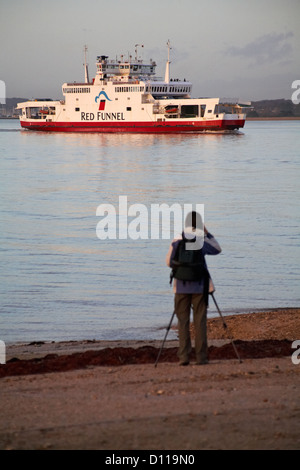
[(168, 329), (225, 326)]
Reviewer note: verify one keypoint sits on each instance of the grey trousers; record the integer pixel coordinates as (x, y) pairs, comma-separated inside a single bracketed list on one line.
[(183, 304)]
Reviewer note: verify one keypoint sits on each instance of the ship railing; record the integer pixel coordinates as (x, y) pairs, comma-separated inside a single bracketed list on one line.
[(235, 102), (130, 82)]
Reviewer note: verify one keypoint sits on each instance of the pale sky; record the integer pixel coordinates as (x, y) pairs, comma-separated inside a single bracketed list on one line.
[(227, 48)]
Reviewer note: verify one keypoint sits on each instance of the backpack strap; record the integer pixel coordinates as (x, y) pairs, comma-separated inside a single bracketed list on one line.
[(173, 270)]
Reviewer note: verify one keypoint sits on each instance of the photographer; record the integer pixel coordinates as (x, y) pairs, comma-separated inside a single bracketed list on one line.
[(192, 285)]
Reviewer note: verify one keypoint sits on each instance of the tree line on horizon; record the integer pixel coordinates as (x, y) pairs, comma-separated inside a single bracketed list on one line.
[(274, 108)]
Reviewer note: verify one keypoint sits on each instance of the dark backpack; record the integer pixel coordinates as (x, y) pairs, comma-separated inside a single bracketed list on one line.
[(189, 265)]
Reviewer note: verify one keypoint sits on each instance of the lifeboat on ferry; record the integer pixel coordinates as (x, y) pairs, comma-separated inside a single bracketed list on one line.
[(171, 109)]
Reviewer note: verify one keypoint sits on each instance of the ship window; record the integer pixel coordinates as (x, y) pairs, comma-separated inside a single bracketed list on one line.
[(190, 110), (77, 109), (128, 109)]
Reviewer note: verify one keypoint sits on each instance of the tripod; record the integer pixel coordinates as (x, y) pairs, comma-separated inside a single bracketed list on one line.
[(168, 329), (224, 325)]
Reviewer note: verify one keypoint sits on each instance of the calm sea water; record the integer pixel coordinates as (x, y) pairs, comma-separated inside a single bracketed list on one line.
[(60, 282)]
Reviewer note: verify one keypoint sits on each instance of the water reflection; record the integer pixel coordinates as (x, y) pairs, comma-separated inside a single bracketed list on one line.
[(58, 280)]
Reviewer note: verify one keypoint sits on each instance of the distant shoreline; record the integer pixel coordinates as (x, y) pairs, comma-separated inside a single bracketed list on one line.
[(286, 118)]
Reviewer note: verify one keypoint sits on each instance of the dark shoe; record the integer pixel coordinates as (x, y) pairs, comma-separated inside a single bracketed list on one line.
[(184, 363), (200, 363)]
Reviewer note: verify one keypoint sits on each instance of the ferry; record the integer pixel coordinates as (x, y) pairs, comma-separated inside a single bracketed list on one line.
[(127, 96)]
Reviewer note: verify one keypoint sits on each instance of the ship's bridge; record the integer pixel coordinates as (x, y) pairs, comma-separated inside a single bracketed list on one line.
[(118, 68)]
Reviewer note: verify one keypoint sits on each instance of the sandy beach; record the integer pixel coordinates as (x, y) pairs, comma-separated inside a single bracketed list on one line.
[(108, 395)]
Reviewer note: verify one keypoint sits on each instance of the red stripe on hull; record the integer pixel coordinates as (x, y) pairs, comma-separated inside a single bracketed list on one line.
[(163, 127)]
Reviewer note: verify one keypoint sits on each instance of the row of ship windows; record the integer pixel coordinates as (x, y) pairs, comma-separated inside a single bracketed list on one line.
[(154, 89), (77, 90), (108, 67), (165, 89), (126, 89)]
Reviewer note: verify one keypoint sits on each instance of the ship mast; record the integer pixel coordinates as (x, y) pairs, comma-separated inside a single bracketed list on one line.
[(167, 74), (136, 51), (86, 70)]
